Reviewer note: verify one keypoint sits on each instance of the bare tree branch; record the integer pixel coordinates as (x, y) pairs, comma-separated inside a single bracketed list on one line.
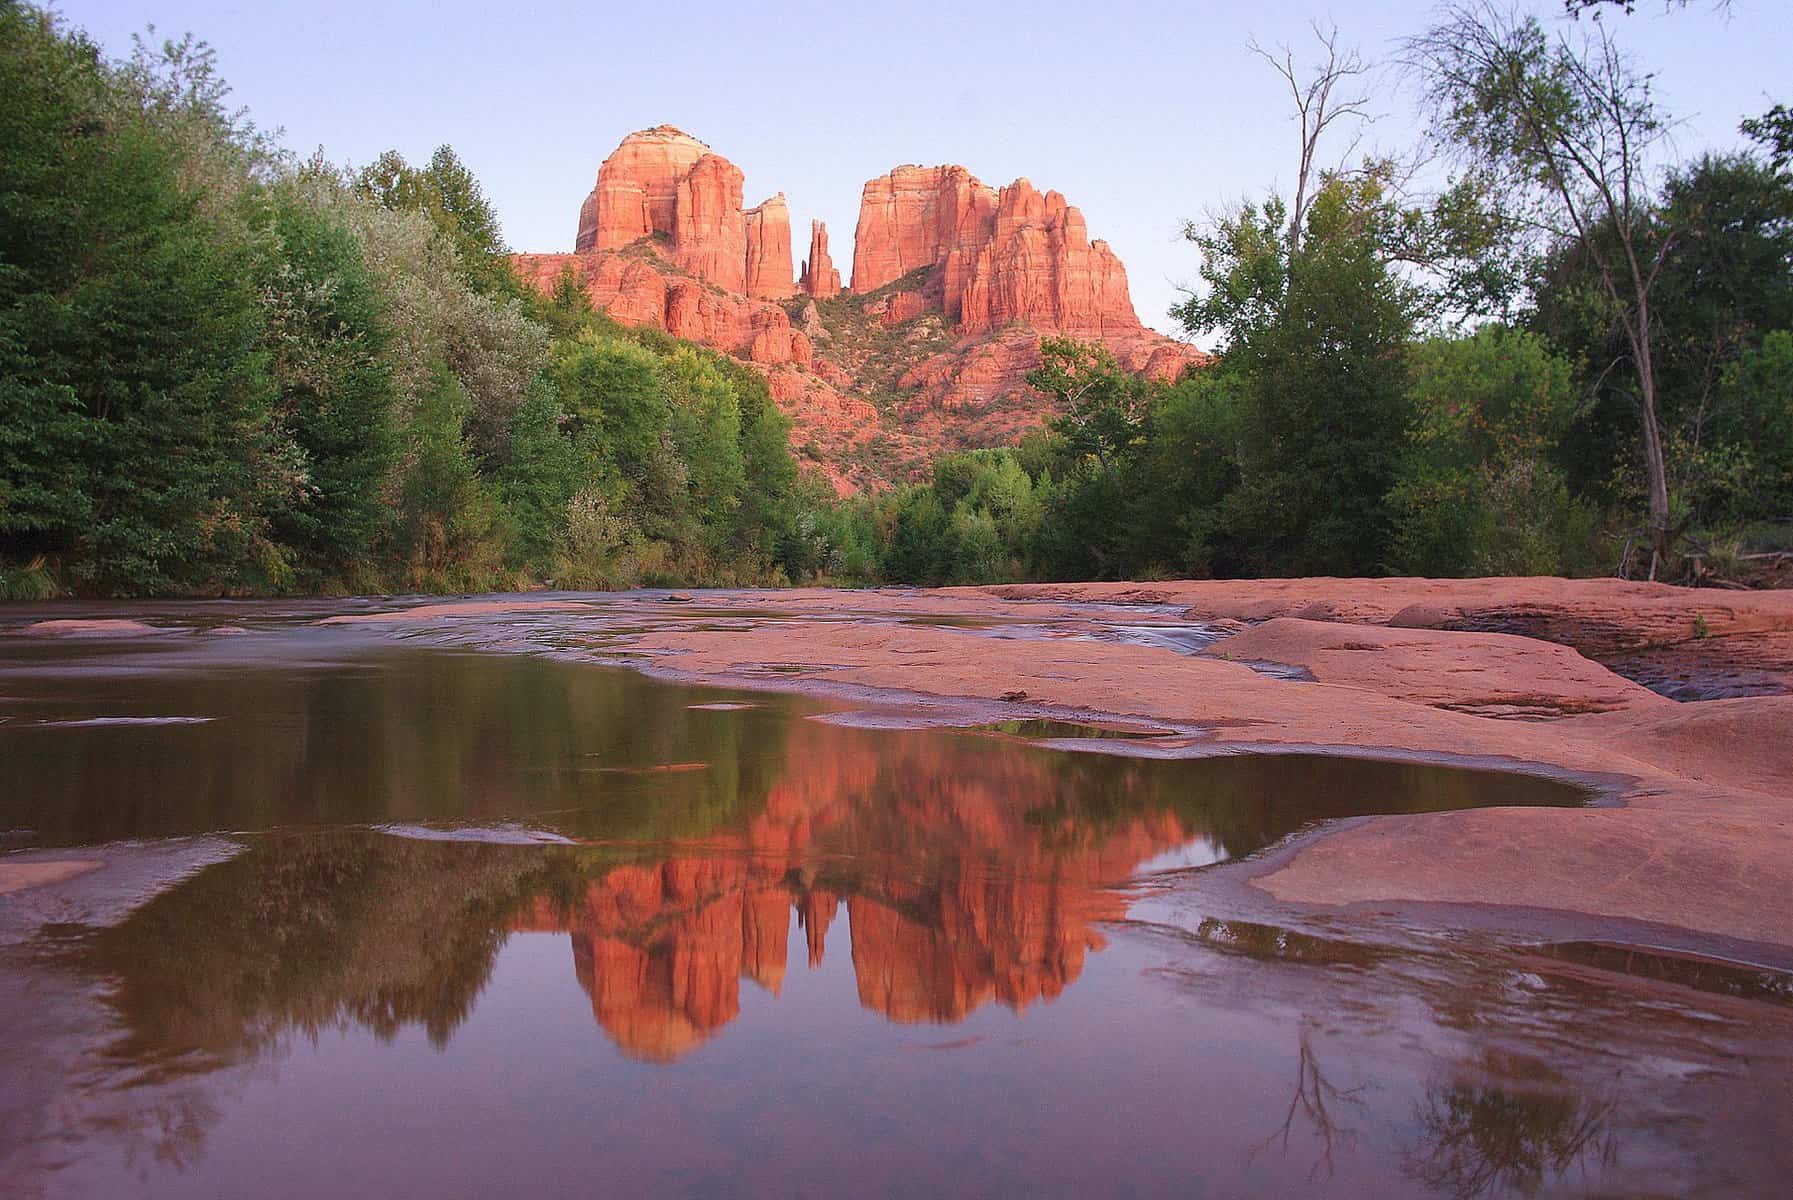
[(1331, 95)]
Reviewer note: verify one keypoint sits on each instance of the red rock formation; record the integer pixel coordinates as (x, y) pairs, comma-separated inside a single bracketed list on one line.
[(820, 278), (664, 241), (1000, 258), (913, 218), (780, 344), (769, 250), (1040, 268), (709, 232), (903, 306), (663, 181), (637, 188), (636, 291)]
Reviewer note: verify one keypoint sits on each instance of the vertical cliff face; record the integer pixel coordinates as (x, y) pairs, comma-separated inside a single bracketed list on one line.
[(820, 278), (709, 230), (637, 188), (914, 217), (1009, 257), (769, 250), (1039, 267), (664, 182)]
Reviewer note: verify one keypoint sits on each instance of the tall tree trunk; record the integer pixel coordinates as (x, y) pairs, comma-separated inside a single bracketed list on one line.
[(1655, 469)]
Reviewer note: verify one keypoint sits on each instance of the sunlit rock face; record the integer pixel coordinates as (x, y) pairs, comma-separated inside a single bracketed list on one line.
[(1002, 257), (637, 191), (664, 241), (642, 291), (768, 274), (664, 184), (820, 279), (709, 229), (914, 217)]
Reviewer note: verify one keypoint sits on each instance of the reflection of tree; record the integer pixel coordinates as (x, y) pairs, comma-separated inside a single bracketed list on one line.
[(171, 1128), (1488, 1136), (1320, 1104), (311, 932), (406, 736)]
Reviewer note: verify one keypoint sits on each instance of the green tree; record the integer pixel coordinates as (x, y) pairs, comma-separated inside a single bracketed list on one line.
[(447, 518), (543, 472), (135, 399), (613, 387), (1758, 391), (327, 341), (1191, 467), (1101, 409), (919, 549), (1565, 131), (450, 196), (1315, 337), (1477, 492), (1773, 131), (705, 426), (1726, 280)]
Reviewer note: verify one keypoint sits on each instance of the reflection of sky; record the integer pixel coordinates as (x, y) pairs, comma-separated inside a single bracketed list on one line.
[(1203, 852)]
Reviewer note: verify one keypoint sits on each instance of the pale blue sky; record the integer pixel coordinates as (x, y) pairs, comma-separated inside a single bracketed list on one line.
[(1141, 113)]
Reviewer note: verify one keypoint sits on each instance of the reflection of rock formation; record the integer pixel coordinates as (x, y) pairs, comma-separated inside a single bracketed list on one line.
[(972, 871), (1009, 944), (662, 949), (954, 897)]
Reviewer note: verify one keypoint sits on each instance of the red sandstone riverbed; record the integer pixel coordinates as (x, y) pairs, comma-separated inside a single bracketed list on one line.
[(384, 848), (1508, 670)]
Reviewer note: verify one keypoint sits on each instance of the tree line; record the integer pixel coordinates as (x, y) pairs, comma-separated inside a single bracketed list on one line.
[(227, 370)]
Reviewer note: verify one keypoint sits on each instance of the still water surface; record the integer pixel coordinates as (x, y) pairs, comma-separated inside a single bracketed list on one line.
[(379, 918)]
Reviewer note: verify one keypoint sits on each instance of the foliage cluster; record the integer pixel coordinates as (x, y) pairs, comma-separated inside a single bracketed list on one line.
[(224, 371)]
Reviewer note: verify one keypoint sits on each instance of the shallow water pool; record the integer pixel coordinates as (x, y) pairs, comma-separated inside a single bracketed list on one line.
[(376, 916)]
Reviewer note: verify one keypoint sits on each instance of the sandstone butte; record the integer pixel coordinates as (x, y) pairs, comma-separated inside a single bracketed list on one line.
[(954, 284)]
